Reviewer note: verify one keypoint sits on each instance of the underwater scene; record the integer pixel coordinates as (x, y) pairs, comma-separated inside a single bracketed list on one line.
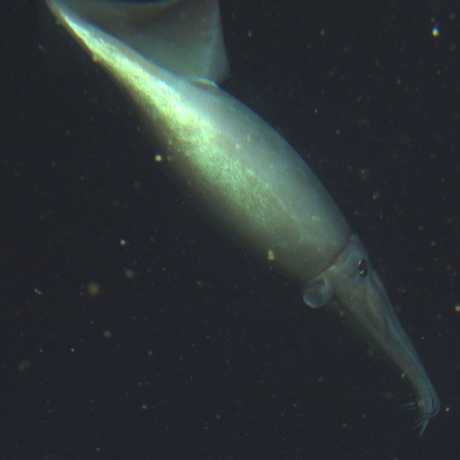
[(230, 230)]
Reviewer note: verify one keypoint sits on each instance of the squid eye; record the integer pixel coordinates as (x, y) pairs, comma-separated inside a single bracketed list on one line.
[(363, 268)]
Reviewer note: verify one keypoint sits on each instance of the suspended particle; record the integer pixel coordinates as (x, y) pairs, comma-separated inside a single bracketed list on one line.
[(130, 273), (24, 365), (107, 334), (93, 289)]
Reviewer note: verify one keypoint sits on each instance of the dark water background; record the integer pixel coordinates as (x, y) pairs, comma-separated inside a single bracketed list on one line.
[(188, 347)]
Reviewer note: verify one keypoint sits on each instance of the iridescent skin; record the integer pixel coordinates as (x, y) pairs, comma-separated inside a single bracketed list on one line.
[(256, 187)]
